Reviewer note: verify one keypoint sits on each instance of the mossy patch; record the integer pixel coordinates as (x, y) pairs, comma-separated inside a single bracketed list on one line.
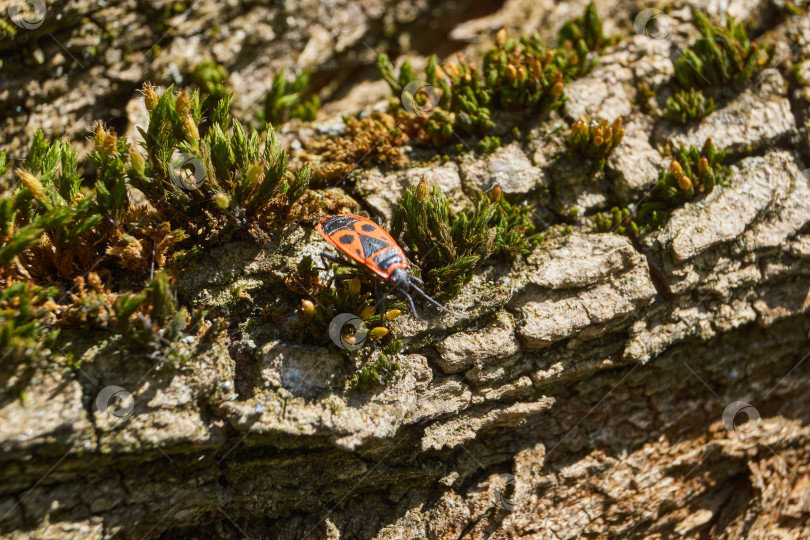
[(693, 173)]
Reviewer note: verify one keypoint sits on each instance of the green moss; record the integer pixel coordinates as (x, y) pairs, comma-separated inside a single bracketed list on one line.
[(595, 140), (382, 372), (151, 320), (320, 305), (285, 100), (720, 56), (584, 34), (210, 77), (488, 144), (450, 247), (686, 106), (232, 177), (24, 334), (692, 174), (515, 75), (7, 31)]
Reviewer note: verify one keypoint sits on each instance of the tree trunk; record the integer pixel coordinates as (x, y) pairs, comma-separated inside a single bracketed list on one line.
[(601, 386)]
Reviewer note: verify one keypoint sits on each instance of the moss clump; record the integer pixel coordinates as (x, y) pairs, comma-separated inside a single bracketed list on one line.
[(285, 100), (374, 139), (449, 247), (595, 140), (383, 371), (488, 144), (231, 178), (585, 34), (693, 173), (209, 77), (51, 224), (151, 320), (688, 105), (24, 310), (516, 75), (322, 304), (721, 55)]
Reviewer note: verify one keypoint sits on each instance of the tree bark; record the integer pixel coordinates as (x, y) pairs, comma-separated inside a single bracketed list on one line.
[(597, 388)]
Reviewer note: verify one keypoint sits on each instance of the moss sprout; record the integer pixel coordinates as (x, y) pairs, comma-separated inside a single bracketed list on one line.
[(721, 55), (24, 312), (688, 105), (286, 100), (381, 372), (585, 34), (596, 140), (450, 247), (321, 304), (210, 77), (694, 172)]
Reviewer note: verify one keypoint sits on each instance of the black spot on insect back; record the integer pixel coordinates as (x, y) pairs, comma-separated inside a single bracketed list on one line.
[(346, 239), (368, 228)]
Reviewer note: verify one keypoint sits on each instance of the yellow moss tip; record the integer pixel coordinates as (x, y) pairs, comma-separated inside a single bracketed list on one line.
[(685, 183), (150, 97), (110, 144), (422, 190), (392, 314), (378, 332), (32, 184), (222, 201), (354, 286), (190, 129), (500, 37), (136, 160), (495, 193), (255, 173), (308, 307), (368, 312), (183, 103), (99, 137)]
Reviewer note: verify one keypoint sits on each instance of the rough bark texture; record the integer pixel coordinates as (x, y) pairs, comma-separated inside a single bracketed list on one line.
[(589, 390)]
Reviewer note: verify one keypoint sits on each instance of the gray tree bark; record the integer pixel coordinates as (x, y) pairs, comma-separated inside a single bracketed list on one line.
[(599, 388)]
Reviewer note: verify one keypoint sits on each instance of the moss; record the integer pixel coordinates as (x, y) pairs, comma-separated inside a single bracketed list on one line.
[(231, 178), (374, 139), (25, 310), (721, 55), (382, 372), (585, 34), (521, 75), (692, 174), (209, 77), (448, 247), (320, 305), (595, 140), (488, 144), (7, 31), (688, 105), (285, 100)]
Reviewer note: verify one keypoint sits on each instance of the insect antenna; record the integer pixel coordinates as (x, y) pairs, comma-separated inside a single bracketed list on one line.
[(432, 301)]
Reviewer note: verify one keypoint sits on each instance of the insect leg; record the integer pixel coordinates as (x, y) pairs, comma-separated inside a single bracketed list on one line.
[(326, 256), (410, 303), (380, 298)]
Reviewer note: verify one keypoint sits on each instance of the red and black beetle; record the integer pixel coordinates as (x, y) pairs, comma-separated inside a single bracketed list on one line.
[(369, 245)]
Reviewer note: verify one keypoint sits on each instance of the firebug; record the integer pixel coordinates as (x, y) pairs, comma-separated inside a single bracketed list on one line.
[(370, 246)]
